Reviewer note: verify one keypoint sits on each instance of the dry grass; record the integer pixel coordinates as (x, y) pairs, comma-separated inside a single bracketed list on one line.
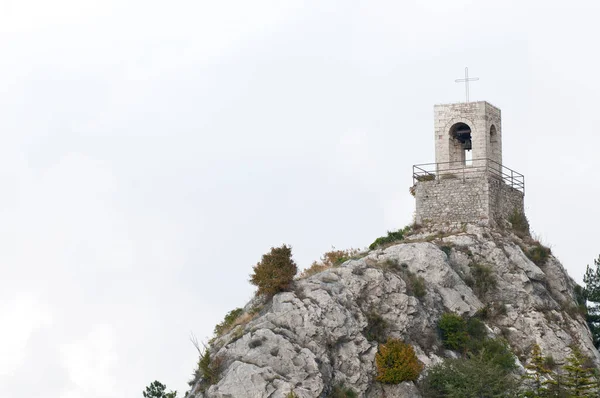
[(332, 258)]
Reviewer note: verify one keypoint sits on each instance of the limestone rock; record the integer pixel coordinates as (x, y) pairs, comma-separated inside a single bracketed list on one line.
[(315, 337)]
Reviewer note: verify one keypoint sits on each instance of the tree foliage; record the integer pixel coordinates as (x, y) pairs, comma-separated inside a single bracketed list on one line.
[(397, 362), (592, 295), (275, 272), (472, 377), (538, 374), (453, 329), (579, 377), (157, 390)]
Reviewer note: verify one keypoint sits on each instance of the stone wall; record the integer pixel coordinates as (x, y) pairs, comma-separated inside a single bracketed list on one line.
[(481, 199), (504, 200)]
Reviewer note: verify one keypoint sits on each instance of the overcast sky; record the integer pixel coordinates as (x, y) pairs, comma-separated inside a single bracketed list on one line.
[(151, 152)]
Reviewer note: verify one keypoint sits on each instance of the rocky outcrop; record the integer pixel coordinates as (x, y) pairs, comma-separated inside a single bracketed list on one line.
[(323, 333)]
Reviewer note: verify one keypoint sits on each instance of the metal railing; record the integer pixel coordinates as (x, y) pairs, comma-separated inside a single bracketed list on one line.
[(476, 168)]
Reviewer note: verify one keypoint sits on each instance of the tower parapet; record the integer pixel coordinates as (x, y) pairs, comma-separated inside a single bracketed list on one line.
[(468, 182)]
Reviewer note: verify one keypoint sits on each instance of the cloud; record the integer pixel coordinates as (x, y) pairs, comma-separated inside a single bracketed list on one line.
[(91, 364), (20, 315)]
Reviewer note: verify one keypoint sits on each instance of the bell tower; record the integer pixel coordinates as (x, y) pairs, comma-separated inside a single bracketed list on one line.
[(465, 127), (468, 182)]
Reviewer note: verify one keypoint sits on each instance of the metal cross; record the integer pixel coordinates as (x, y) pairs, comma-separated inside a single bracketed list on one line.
[(466, 80)]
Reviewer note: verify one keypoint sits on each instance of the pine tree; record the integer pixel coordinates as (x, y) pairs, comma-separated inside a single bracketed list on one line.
[(157, 390), (539, 375), (592, 295), (579, 379)]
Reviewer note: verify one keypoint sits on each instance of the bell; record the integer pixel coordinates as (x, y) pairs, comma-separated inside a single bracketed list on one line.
[(467, 145)]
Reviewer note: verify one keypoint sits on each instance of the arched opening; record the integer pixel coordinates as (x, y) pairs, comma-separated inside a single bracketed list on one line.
[(493, 134), (461, 137)]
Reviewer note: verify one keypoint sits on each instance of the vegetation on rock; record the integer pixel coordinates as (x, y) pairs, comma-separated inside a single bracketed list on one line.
[(376, 329), (158, 390), (538, 254), (591, 294), (340, 391), (453, 330), (537, 374), (396, 362), (579, 375), (333, 258), (519, 223), (228, 322), (471, 377), (275, 272), (483, 278), (391, 237)]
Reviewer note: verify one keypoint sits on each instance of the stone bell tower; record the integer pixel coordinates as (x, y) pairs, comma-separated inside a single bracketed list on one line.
[(468, 182)]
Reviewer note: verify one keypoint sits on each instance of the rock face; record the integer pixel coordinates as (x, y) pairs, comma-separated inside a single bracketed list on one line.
[(321, 333)]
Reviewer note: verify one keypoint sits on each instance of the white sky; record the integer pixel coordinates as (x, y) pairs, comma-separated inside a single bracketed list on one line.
[(152, 151)]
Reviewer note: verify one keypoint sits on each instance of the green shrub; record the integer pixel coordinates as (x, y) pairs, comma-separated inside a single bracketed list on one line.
[(230, 318), (291, 394), (483, 279), (396, 362), (483, 313), (376, 329), (339, 391), (476, 329), (275, 272), (389, 238), (520, 224), (453, 330), (209, 369), (538, 254), (473, 377), (495, 351)]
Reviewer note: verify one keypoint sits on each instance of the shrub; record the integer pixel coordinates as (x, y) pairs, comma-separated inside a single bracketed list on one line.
[(453, 330), (339, 391), (519, 223), (209, 369), (396, 362), (291, 394), (483, 279), (538, 254), (415, 285), (483, 313), (228, 322), (275, 272), (376, 329), (495, 351), (336, 258), (476, 329), (468, 378), (333, 258), (389, 238), (314, 269)]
